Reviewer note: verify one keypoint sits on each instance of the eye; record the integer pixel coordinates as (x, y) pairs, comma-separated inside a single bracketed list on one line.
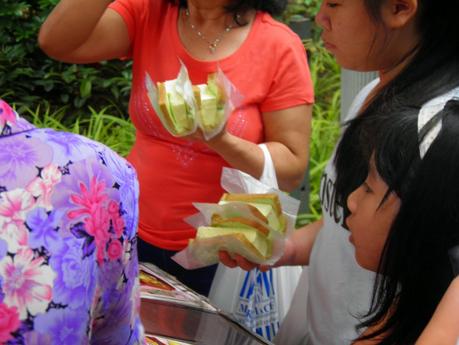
[(366, 187), (332, 4)]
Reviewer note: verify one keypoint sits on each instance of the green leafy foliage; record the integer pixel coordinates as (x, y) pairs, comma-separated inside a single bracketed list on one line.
[(307, 8), (299, 10), (29, 78), (117, 133), (325, 74)]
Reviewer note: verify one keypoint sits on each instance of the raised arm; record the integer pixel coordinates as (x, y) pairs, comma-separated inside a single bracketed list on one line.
[(84, 31)]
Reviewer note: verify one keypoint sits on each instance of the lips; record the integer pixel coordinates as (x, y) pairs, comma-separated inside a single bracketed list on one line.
[(351, 239), (329, 46), (327, 43)]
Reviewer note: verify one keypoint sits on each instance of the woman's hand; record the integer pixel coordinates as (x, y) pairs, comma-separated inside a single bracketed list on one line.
[(198, 135), (287, 134), (239, 261)]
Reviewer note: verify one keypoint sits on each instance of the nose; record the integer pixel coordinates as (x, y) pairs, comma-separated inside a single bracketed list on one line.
[(322, 19), (352, 200)]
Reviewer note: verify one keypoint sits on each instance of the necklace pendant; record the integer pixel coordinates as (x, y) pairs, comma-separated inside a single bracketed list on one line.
[(212, 48)]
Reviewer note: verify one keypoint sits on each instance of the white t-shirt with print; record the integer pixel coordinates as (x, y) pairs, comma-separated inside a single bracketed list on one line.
[(339, 289), (333, 290)]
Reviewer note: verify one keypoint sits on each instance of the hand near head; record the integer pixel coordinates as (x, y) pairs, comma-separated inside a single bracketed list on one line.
[(237, 260)]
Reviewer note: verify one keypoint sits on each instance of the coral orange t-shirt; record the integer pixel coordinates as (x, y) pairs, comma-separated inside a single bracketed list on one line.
[(269, 69)]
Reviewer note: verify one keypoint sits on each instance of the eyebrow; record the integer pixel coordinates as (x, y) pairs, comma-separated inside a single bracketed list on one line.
[(372, 169)]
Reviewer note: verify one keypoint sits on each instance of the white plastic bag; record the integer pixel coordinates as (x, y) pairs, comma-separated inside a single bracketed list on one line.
[(259, 300)]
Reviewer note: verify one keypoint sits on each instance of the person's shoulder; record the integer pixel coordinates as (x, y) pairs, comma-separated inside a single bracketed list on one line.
[(143, 3), (74, 147), (276, 32), (360, 98), (365, 91), (142, 8), (159, 6)]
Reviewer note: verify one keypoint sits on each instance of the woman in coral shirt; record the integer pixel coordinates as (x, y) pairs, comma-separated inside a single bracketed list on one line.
[(265, 61)]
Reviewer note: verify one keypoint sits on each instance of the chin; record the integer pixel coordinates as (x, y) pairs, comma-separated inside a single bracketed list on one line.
[(353, 65), (365, 264)]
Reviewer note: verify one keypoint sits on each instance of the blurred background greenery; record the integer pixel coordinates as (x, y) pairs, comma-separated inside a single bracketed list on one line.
[(92, 100)]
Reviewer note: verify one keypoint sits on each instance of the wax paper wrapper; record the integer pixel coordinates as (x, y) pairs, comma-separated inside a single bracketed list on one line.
[(184, 87), (232, 99), (204, 252), (230, 96)]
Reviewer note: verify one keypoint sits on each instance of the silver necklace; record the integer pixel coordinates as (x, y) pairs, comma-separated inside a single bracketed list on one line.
[(212, 45)]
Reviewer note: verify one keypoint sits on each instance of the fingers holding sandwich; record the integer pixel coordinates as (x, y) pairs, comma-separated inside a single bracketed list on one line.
[(239, 261)]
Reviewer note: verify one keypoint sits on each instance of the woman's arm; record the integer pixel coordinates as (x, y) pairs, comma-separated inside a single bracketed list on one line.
[(443, 328), (297, 250), (287, 134), (84, 31)]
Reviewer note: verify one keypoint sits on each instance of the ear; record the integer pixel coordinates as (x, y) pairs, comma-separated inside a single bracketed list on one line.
[(397, 13)]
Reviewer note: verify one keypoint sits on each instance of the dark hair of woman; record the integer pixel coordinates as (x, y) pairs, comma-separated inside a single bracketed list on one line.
[(273, 7), (433, 70)]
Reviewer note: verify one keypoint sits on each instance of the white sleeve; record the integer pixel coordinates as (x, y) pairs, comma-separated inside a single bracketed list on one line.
[(359, 99)]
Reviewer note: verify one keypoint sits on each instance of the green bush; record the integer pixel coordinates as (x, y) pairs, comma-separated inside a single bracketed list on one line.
[(117, 133), (29, 78), (307, 8), (325, 74)]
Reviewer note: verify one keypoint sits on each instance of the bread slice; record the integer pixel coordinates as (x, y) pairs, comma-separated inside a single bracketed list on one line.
[(216, 88), (197, 95), (210, 100), (267, 204), (238, 222), (268, 198), (174, 108), (163, 105), (249, 243), (209, 117)]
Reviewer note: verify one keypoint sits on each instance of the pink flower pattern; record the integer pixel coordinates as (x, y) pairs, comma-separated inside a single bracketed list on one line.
[(7, 114), (27, 282), (99, 213), (9, 322), (115, 250), (14, 206), (41, 188), (68, 259)]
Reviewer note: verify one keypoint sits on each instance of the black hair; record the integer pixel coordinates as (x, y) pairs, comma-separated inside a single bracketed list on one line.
[(435, 66), (414, 269), (433, 70), (415, 255), (273, 7)]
